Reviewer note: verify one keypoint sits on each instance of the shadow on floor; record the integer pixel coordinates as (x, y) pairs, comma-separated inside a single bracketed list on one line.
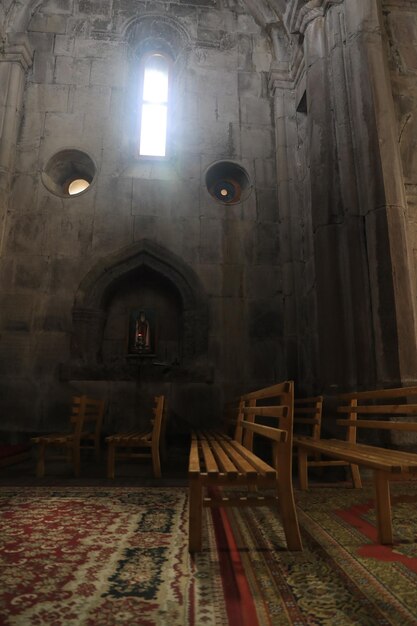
[(174, 471)]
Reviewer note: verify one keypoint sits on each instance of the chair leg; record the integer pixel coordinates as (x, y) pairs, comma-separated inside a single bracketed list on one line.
[(111, 454), (195, 515)]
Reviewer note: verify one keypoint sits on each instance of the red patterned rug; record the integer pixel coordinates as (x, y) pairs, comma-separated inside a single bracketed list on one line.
[(118, 556)]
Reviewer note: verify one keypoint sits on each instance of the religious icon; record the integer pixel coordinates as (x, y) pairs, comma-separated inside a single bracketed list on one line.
[(142, 332)]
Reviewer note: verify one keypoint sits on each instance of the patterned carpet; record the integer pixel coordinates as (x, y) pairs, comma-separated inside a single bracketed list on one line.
[(117, 556)]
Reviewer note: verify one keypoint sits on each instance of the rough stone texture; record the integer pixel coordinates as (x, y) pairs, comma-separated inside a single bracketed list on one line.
[(310, 277), (77, 94)]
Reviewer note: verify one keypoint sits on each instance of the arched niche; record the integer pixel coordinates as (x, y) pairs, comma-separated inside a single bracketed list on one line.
[(145, 261)]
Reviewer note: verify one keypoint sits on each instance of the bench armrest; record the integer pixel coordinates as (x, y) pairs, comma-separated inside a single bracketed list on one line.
[(276, 434)]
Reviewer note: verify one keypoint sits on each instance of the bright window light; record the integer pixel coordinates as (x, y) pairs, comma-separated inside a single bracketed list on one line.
[(77, 186), (154, 114)]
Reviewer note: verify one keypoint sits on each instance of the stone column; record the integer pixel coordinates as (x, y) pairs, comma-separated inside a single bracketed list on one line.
[(364, 273), (298, 341), (381, 194), (335, 353), (15, 59)]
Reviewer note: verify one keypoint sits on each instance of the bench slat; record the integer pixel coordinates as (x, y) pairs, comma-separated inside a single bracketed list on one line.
[(194, 463), (258, 463), (383, 424), (267, 411), (377, 394), (276, 434), (238, 459), (223, 459), (390, 409), (209, 460), (277, 390)]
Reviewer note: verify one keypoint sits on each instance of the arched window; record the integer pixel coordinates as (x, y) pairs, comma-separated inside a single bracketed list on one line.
[(154, 106)]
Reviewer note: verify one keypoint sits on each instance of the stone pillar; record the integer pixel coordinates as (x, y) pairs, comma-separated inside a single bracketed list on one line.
[(381, 194), (15, 59), (346, 351), (364, 274), (295, 234)]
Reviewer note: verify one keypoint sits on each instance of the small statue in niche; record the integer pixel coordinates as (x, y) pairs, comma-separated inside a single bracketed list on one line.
[(142, 334)]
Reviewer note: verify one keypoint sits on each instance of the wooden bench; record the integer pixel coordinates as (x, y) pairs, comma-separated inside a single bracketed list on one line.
[(385, 406), (217, 461), (308, 413)]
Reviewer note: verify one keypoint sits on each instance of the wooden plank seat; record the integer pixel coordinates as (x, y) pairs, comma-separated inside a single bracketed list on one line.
[(218, 461), (139, 445), (85, 423), (387, 464)]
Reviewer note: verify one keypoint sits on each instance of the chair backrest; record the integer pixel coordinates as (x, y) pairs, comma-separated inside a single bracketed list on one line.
[(87, 416), (158, 417)]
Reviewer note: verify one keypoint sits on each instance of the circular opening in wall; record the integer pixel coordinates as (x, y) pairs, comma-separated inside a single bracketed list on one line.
[(228, 182), (69, 173)]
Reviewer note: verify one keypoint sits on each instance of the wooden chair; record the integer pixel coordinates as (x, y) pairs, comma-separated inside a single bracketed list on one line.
[(139, 445), (86, 420)]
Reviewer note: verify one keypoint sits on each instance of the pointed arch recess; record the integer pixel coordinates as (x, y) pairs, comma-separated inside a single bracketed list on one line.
[(90, 301)]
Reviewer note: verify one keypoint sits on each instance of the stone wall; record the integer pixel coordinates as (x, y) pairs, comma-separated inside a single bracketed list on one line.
[(400, 20), (353, 316), (311, 276), (81, 94)]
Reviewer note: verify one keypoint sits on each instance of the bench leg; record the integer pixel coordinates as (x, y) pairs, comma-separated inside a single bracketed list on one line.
[(287, 503), (383, 507), (195, 515), (356, 476), (302, 469), (156, 463)]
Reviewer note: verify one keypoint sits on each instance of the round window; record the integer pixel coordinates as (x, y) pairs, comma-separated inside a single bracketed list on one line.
[(228, 182), (69, 173)]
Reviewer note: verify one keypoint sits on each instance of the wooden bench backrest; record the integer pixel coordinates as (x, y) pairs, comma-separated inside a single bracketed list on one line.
[(276, 403), (308, 412), (87, 415), (361, 407)]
